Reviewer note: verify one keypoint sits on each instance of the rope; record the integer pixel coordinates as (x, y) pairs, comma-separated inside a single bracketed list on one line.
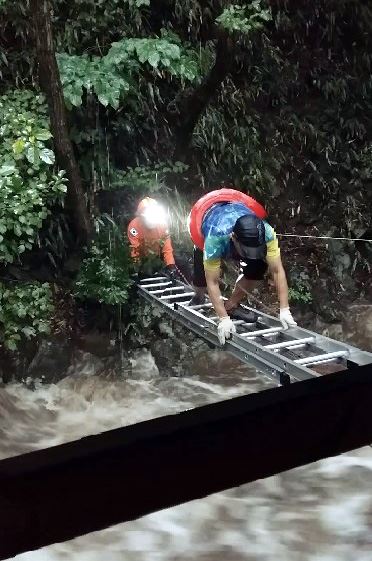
[(183, 278), (324, 238)]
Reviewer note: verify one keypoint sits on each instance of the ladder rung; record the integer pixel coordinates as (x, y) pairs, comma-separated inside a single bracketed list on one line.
[(200, 306), (174, 296), (322, 361), (288, 344), (317, 358), (254, 334), (162, 290), (152, 279), (235, 321), (157, 285)]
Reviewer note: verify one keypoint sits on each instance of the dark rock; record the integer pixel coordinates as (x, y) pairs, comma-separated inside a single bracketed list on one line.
[(342, 255), (85, 364), (98, 343), (8, 368), (174, 355), (168, 356), (51, 360), (332, 330), (13, 365), (325, 303), (357, 326)]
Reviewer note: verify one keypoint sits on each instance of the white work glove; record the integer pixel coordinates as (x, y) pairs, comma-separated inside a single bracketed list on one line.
[(286, 318), (225, 329)]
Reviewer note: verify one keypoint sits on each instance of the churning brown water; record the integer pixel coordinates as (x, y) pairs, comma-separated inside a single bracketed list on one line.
[(320, 512)]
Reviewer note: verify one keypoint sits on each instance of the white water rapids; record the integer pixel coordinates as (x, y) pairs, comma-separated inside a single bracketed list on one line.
[(320, 512)]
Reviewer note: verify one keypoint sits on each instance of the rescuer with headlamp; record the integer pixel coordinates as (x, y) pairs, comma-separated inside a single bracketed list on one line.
[(148, 235)]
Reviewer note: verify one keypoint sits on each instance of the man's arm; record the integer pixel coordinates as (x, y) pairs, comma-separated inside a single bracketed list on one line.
[(212, 277), (226, 327), (277, 270), (280, 280)]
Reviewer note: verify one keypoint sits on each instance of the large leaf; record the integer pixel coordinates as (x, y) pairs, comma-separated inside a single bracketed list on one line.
[(7, 170), (47, 156), (18, 146), (43, 135), (33, 154)]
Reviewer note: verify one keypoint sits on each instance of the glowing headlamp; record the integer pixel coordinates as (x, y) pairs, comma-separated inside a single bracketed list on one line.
[(154, 215)]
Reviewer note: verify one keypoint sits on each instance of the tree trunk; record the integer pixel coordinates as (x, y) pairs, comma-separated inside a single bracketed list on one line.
[(50, 84), (194, 105)]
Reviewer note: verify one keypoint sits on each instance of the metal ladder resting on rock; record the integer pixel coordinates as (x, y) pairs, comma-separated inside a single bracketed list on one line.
[(294, 354)]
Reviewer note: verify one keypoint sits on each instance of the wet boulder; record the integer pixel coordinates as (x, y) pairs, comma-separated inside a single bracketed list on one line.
[(51, 361), (100, 344), (357, 326)]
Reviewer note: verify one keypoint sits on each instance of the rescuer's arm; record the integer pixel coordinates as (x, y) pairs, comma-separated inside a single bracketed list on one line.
[(280, 280), (167, 252), (135, 242), (212, 277)]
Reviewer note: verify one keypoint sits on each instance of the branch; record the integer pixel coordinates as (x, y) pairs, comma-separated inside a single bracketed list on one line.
[(191, 108)]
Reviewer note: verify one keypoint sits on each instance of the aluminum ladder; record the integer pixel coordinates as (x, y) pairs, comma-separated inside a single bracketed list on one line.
[(285, 355)]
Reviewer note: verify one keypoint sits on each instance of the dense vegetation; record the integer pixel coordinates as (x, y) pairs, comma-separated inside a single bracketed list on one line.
[(96, 95)]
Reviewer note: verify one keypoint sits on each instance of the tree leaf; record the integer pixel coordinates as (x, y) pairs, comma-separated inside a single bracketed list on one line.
[(7, 170), (43, 135), (47, 156), (154, 59), (18, 146), (28, 331), (33, 155)]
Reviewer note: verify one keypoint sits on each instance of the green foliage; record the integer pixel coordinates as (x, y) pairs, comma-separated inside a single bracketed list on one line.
[(300, 293), (25, 312), (138, 3), (149, 265), (295, 119), (148, 178), (247, 18), (105, 272), (234, 147), (163, 53), (28, 183), (93, 74), (91, 26), (292, 118), (115, 75)]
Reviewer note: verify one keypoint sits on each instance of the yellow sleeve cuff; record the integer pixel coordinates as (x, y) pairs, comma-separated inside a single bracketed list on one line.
[(273, 249), (212, 265)]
